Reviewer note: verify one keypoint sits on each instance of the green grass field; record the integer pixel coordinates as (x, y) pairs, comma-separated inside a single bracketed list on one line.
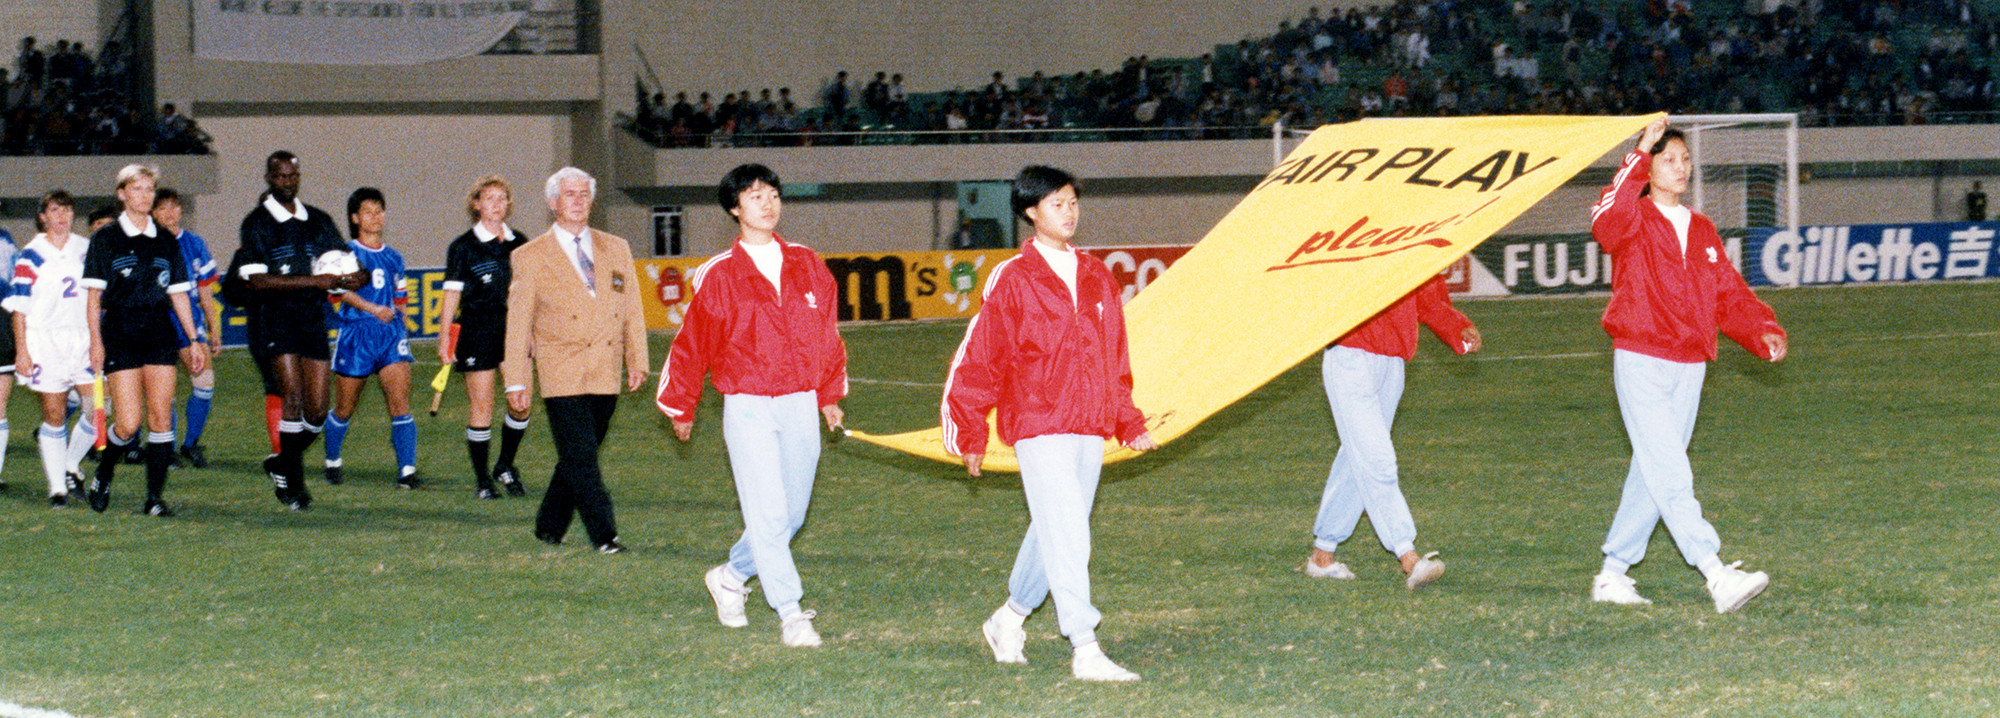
[(1860, 473)]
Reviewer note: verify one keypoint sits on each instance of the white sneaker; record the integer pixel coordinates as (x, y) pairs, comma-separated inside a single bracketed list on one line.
[(1335, 570), (1005, 638), (1428, 569), (728, 601), (1090, 664), (798, 631), (1615, 588), (1732, 588)]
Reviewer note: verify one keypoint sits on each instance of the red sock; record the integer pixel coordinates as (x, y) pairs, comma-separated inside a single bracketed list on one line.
[(274, 409)]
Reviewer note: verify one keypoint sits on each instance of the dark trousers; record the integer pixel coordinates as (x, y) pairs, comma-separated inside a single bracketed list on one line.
[(578, 424)]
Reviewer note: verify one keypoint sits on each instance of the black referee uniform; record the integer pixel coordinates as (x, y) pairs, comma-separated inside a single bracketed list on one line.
[(290, 321), (135, 273), (286, 321), (480, 272)]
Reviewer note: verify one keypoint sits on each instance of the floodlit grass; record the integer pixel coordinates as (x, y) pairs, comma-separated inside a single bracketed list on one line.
[(1860, 474)]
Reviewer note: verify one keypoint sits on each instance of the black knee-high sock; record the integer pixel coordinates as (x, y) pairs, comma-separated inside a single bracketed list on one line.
[(478, 441), (291, 452), (159, 456), (510, 440), (114, 452)]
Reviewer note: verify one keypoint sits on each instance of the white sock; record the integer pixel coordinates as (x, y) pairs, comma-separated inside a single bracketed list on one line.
[(1709, 567), (1614, 566), (81, 439), (54, 443), (1007, 616)]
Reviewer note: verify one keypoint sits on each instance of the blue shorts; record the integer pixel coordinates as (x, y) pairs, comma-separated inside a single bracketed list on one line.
[(200, 330), (364, 347)]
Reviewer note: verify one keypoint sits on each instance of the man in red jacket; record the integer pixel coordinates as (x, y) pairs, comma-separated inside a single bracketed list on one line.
[(762, 323), (1363, 373), (1672, 289), (1047, 354)]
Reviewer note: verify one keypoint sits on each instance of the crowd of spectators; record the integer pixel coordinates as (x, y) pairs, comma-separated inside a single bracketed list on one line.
[(1869, 62), (64, 101)]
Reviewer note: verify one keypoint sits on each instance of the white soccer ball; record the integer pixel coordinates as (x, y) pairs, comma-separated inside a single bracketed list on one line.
[(339, 261)]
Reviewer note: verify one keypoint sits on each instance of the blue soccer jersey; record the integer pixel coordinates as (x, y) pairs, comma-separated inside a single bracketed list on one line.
[(385, 285), (201, 271)]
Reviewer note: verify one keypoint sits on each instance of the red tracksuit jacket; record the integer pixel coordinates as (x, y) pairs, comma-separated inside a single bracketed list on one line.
[(1666, 304), (752, 339), (1393, 331), (1046, 365)]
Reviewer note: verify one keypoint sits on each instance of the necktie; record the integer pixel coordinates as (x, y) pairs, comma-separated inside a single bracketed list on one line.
[(589, 270)]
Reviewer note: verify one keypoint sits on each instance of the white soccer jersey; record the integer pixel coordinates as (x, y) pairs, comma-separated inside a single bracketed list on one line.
[(47, 290)]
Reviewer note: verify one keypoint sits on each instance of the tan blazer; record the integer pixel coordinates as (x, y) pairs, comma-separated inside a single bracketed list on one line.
[(574, 342)]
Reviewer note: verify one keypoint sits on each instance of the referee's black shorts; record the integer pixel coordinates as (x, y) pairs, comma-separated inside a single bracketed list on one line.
[(275, 335), (481, 345), (138, 336)]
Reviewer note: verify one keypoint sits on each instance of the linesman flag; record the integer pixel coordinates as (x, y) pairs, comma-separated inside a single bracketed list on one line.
[(1356, 217)]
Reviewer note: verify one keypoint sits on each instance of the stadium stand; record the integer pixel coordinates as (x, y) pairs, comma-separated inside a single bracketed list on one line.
[(1867, 63)]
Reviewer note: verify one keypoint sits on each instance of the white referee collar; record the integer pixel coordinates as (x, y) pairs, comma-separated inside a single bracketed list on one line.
[(479, 230), (281, 214), (133, 230)]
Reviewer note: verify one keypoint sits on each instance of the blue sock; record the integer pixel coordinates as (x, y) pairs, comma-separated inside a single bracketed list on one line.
[(403, 436), (197, 414), (336, 432)]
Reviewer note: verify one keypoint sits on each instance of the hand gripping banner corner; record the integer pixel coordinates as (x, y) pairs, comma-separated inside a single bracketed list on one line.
[(1353, 219)]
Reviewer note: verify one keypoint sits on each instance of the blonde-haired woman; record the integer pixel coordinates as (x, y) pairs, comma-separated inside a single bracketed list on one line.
[(477, 271), (137, 286)]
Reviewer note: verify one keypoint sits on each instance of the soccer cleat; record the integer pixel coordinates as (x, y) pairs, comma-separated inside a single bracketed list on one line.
[(1731, 587), (1426, 570), (156, 507), (1007, 641), (610, 547), (1090, 664), (1616, 588), (100, 495), (798, 631), (196, 455), (1335, 570), (510, 479), (409, 481), (59, 501), (728, 601), (548, 538), (291, 493), (73, 482), (486, 492), (335, 476)]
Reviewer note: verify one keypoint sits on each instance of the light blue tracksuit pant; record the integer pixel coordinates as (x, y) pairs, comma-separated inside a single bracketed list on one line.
[(774, 448), (1658, 400), (1363, 389), (1059, 475)]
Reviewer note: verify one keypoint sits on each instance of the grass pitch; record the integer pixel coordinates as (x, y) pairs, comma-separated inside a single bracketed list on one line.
[(1860, 473)]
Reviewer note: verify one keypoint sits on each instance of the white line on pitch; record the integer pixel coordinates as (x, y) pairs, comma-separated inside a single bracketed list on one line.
[(10, 710)]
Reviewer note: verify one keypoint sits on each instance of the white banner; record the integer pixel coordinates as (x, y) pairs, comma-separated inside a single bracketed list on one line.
[(351, 32)]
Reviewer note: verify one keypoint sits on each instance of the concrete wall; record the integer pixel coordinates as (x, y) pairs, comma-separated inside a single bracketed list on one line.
[(424, 165)]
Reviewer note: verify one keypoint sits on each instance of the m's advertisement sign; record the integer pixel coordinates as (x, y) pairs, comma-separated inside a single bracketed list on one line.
[(891, 286)]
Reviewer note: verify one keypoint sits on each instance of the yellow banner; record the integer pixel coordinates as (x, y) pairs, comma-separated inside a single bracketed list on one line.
[(1352, 220)]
